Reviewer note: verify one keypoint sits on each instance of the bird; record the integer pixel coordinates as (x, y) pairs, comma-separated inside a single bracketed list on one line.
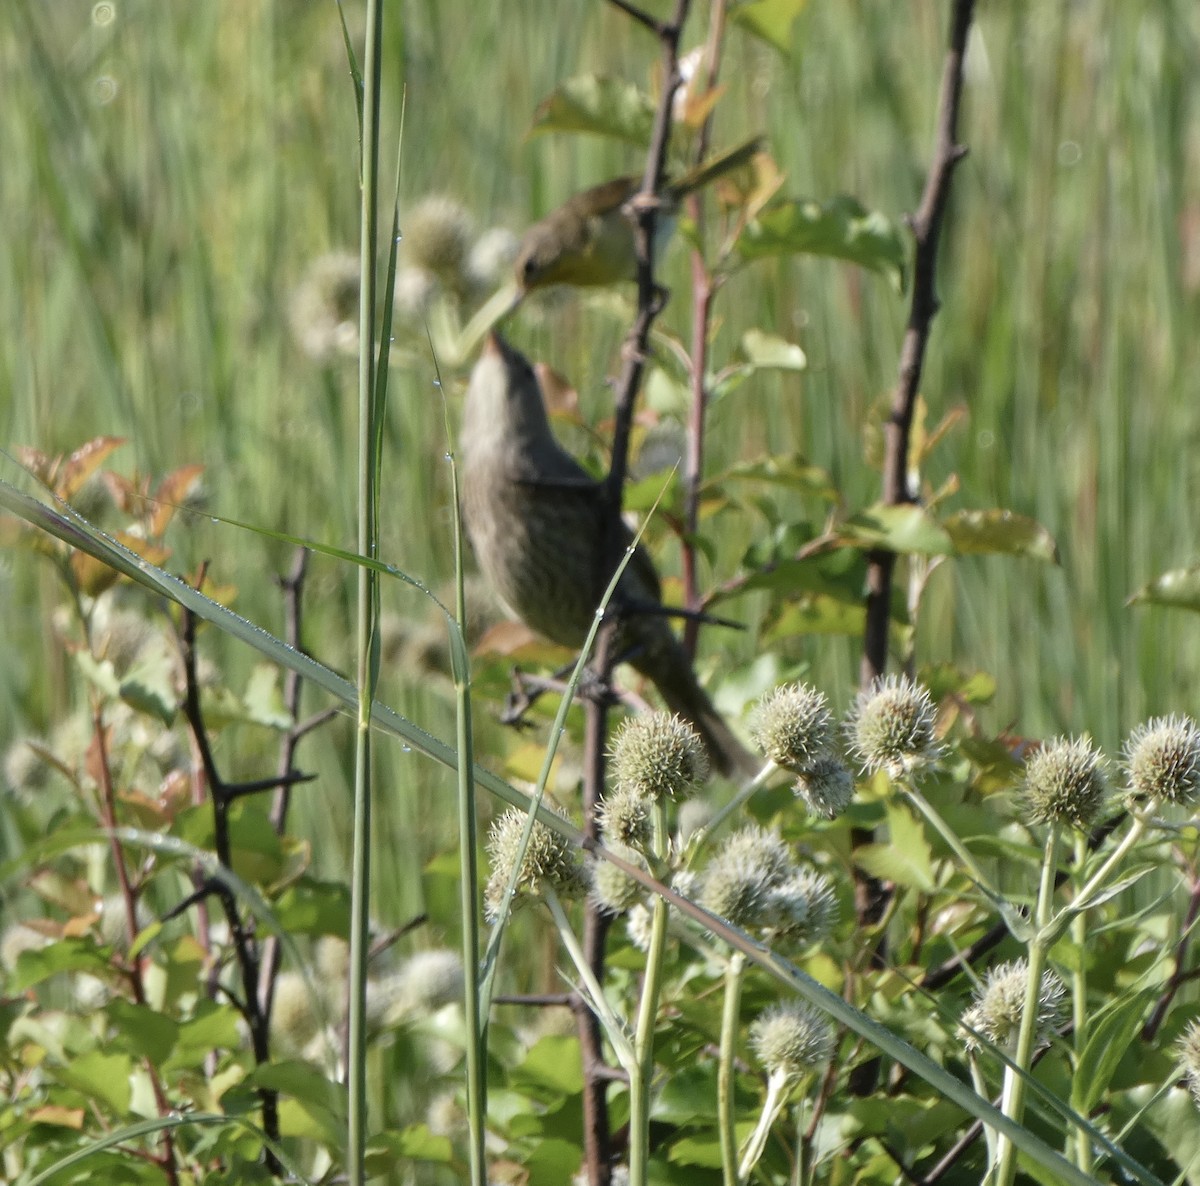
[(589, 239), (535, 516)]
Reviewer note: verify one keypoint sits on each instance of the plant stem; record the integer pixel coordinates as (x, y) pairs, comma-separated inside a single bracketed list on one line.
[(777, 1082), (598, 1001), (366, 610), (642, 1073), (730, 1015), (1079, 1011), (1015, 1077), (955, 845)]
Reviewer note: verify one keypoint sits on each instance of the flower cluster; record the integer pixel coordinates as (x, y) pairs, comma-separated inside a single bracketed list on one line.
[(794, 727)]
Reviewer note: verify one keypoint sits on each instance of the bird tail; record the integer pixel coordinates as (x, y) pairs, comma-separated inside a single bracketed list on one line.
[(683, 695)]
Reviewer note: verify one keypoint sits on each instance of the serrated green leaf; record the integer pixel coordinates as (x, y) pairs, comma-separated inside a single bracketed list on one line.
[(1179, 587), (770, 352), (602, 106), (904, 529), (905, 858), (840, 228), (1000, 531), (769, 20)]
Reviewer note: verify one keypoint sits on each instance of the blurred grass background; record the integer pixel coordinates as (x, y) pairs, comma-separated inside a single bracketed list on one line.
[(170, 172)]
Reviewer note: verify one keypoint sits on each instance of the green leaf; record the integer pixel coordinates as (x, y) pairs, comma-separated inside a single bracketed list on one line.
[(769, 352), (79, 954), (1108, 1039), (791, 471), (1000, 531), (905, 859), (902, 529), (770, 20), (1179, 587), (552, 1162), (840, 228), (552, 1063), (213, 1027), (264, 699), (148, 686), (100, 1076), (315, 908), (603, 106), (147, 1033), (817, 613), (414, 1143)]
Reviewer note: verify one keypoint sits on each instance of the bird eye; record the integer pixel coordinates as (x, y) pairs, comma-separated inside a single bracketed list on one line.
[(528, 267)]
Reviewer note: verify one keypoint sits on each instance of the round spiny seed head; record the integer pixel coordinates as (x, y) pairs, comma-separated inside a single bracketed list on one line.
[(414, 292), (324, 307), (491, 258), (998, 1007), (793, 726), (791, 1039), (431, 979), (437, 237), (1188, 1052), (625, 817), (826, 787), (686, 883), (25, 769), (761, 847), (1064, 783), (638, 926), (331, 958), (549, 859), (803, 909), (737, 883), (891, 726), (613, 890), (1162, 758), (659, 755), (294, 1015)]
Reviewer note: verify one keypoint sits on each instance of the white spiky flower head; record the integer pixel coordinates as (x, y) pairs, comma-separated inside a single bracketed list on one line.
[(1162, 760), (995, 1014), (892, 727), (1065, 783)]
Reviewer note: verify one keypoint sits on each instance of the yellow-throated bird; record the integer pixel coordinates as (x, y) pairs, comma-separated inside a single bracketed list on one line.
[(534, 516), (589, 239)]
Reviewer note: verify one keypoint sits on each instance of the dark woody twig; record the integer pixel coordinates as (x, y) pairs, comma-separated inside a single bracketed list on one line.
[(870, 896), (245, 946), (926, 227), (643, 210)]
